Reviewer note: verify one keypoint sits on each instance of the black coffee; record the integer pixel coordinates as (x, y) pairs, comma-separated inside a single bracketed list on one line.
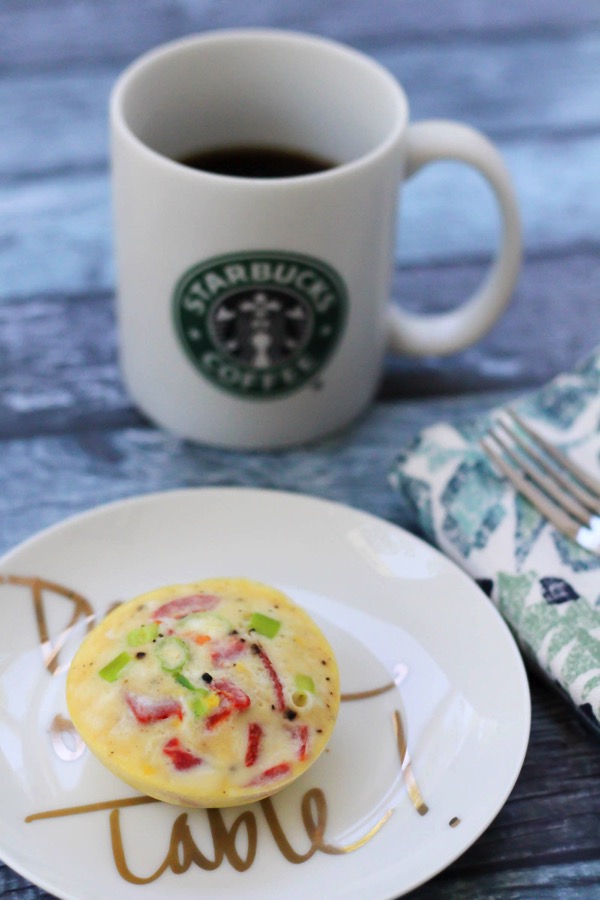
[(257, 162)]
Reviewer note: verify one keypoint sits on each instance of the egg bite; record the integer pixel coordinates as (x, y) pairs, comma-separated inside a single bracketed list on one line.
[(210, 694)]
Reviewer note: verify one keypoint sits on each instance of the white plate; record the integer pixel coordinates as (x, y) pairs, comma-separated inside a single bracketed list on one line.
[(393, 609)]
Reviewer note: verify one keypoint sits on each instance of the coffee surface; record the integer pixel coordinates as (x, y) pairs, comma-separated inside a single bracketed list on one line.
[(257, 162)]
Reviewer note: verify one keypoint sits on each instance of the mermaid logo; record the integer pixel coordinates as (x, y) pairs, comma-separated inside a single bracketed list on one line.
[(260, 325)]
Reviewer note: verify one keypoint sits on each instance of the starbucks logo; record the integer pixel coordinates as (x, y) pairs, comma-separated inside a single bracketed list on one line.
[(260, 325)]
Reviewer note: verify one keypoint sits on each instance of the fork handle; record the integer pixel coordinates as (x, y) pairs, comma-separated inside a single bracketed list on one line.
[(561, 521)]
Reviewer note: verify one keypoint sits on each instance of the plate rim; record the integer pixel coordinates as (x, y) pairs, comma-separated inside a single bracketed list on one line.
[(150, 497)]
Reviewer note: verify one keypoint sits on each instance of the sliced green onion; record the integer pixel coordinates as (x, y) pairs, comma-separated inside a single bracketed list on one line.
[(172, 653), (264, 625), (305, 683), (185, 682), (113, 669), (142, 635), (198, 704), (301, 699)]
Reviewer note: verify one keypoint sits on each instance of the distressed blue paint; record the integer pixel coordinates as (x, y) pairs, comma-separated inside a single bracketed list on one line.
[(525, 72)]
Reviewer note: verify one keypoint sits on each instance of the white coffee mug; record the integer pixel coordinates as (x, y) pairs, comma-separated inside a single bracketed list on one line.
[(255, 312)]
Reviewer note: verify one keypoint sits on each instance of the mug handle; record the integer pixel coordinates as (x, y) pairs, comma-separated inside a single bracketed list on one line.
[(444, 333)]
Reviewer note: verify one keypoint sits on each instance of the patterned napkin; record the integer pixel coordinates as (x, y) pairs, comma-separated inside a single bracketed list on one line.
[(546, 587)]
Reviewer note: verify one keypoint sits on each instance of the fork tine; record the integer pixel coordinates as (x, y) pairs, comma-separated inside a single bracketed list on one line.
[(561, 521), (548, 464), (570, 465), (554, 490)]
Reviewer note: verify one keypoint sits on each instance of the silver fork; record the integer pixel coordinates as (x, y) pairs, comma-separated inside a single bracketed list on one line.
[(563, 492)]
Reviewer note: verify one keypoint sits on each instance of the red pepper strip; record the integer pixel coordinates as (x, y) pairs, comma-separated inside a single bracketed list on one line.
[(179, 756), (147, 710), (217, 717), (232, 698), (227, 649), (300, 735), (280, 705), (183, 606), (254, 737), (271, 774), (231, 693)]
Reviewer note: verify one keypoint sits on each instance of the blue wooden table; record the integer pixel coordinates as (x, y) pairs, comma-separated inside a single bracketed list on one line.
[(526, 73)]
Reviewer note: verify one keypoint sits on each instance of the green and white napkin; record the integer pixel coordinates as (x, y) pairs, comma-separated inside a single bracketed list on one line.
[(546, 587)]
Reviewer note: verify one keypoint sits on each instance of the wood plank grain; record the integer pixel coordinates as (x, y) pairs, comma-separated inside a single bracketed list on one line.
[(104, 30), (55, 233), (77, 471), (539, 87), (551, 323), (533, 85), (545, 833), (58, 353), (15, 887), (544, 841), (523, 71)]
